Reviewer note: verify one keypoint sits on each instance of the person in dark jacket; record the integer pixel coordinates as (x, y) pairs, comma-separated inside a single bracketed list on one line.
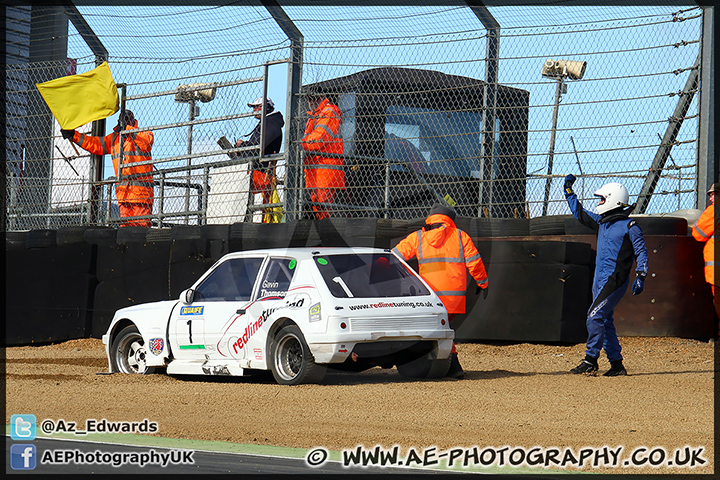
[(263, 179), (619, 240)]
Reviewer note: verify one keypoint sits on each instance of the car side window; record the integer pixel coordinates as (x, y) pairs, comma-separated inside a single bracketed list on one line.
[(230, 281), (278, 275)]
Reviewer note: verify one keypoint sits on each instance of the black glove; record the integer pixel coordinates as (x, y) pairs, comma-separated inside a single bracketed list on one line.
[(67, 134), (484, 291), (569, 180), (639, 285)]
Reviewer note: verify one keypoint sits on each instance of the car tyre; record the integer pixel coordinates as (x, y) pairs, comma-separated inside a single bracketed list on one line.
[(128, 352), (292, 363), (424, 367)]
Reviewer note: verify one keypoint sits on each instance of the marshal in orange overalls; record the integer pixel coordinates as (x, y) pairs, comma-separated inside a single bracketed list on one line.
[(323, 175), (135, 190), (444, 254)]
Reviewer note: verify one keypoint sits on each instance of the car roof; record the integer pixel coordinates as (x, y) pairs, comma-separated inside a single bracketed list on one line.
[(305, 252)]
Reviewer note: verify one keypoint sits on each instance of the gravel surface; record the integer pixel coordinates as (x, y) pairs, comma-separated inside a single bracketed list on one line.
[(516, 395)]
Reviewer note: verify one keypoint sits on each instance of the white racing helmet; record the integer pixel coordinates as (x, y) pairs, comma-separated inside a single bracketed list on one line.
[(612, 196)]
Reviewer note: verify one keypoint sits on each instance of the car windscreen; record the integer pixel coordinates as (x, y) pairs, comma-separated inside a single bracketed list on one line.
[(368, 276)]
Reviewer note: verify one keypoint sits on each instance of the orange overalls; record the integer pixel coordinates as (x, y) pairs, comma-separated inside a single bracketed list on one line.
[(444, 254), (323, 175), (704, 231), (134, 194)]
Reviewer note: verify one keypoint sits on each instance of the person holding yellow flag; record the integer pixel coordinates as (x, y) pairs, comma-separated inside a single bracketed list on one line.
[(66, 97), (135, 187)]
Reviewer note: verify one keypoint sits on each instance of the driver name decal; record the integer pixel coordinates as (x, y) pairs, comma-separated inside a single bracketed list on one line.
[(267, 292)]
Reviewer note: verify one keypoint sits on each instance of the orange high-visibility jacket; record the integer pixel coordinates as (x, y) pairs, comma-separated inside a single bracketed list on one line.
[(136, 148), (704, 231), (322, 135), (444, 254)]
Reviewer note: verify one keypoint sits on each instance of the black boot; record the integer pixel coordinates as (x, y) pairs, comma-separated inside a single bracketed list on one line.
[(456, 370), (588, 365), (616, 369)]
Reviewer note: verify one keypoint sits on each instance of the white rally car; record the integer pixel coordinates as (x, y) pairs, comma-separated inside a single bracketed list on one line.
[(293, 311)]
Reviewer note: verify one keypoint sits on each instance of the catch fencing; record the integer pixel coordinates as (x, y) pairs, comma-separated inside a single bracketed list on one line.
[(486, 109)]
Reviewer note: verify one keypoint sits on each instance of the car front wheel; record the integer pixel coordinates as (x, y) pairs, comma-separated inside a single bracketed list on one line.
[(128, 353), (292, 363)]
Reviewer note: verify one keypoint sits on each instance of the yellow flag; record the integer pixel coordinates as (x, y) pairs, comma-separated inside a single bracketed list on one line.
[(277, 211), (273, 214), (79, 99)]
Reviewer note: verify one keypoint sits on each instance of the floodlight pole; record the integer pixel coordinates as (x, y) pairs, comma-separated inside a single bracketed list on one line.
[(191, 116), (558, 93)]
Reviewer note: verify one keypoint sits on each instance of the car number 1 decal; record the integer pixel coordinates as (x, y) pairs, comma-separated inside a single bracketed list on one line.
[(190, 329)]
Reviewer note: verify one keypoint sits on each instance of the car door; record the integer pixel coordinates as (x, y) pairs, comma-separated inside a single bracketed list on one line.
[(219, 299), (247, 336)]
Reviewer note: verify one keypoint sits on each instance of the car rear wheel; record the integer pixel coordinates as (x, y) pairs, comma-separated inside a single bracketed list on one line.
[(128, 353), (424, 367), (292, 363)]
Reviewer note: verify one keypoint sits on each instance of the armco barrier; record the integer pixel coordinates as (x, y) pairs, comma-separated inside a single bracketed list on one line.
[(540, 285)]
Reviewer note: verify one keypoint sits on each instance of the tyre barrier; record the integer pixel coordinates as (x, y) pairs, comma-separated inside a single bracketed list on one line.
[(528, 302), (58, 307), (251, 236), (500, 227), (60, 288), (304, 233), (358, 232), (100, 235), (132, 234), (216, 240), (650, 225), (41, 238), (48, 293), (70, 235), (548, 225), (391, 228), (76, 258), (484, 227), (676, 300), (535, 251), (654, 225), (161, 234), (145, 272), (13, 239)]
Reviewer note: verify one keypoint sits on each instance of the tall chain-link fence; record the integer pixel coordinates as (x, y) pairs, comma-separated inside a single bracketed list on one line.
[(486, 109)]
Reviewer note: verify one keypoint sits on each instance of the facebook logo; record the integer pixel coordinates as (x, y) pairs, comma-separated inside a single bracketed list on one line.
[(23, 427), (22, 457)]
